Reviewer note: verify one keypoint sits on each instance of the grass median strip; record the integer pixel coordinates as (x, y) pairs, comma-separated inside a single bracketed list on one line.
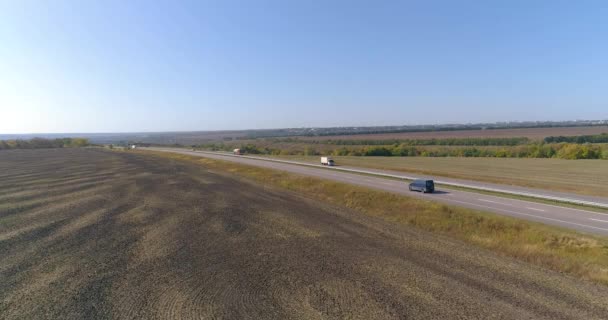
[(558, 249)]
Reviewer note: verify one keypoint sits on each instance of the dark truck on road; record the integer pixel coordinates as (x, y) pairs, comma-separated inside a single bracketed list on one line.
[(423, 185)]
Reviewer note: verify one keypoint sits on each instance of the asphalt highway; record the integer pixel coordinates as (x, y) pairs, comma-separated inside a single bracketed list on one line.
[(571, 218)]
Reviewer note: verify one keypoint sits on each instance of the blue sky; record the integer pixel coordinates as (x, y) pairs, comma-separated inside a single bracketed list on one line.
[(108, 66)]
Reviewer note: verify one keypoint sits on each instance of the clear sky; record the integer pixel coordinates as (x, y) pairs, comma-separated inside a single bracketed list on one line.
[(107, 66)]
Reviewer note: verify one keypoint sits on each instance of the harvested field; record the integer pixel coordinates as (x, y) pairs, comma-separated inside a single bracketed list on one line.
[(90, 234), (532, 133)]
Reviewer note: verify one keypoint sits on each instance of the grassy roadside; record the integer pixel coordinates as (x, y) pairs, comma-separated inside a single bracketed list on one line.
[(558, 249)]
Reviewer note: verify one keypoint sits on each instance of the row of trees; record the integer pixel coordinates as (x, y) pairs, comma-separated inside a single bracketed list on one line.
[(540, 150), (598, 138), (533, 150), (430, 142), (509, 141), (39, 143)]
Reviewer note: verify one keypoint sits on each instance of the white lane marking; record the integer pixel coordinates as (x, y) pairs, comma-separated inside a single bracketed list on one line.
[(496, 202), (535, 209), (531, 215), (554, 206), (598, 220), (568, 208)]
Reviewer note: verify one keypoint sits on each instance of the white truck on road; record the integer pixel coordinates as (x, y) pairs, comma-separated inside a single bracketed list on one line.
[(327, 161)]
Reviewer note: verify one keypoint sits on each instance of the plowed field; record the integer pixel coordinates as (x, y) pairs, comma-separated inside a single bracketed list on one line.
[(93, 234)]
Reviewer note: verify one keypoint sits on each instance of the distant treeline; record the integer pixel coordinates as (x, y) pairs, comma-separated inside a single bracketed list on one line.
[(531, 150), (39, 143), (575, 147), (417, 142), (312, 132), (537, 150), (598, 138)]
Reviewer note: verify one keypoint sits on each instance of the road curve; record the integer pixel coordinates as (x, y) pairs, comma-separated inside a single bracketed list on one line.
[(581, 220)]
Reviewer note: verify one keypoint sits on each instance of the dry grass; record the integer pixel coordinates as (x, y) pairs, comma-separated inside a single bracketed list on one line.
[(586, 177), (550, 247)]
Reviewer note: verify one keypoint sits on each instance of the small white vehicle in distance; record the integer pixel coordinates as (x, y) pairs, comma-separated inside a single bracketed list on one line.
[(237, 152), (327, 161)]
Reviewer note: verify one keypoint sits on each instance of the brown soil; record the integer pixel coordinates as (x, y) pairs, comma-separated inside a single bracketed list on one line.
[(89, 234)]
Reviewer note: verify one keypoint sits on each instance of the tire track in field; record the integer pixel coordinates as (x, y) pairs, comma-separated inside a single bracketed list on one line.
[(52, 182)]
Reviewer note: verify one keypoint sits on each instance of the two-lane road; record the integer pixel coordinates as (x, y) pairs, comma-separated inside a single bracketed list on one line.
[(581, 220)]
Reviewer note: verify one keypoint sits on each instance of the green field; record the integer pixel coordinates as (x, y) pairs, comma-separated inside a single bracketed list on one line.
[(587, 177)]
